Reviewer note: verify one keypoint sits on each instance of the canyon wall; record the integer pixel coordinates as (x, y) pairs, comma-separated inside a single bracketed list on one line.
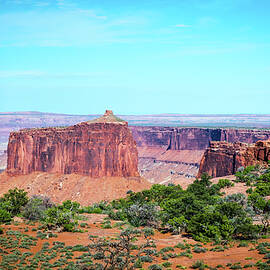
[(223, 158), (98, 148), (179, 138), (106, 148), (171, 154)]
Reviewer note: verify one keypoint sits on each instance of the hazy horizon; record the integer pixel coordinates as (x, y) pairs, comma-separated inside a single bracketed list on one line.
[(157, 114)]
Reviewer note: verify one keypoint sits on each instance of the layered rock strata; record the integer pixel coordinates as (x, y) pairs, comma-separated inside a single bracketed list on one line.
[(180, 138), (98, 148), (223, 158)]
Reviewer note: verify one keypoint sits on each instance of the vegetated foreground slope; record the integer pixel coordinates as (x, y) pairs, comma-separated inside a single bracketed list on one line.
[(59, 250), (233, 229)]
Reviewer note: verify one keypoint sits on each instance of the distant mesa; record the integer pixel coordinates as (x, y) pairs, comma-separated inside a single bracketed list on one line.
[(103, 147), (224, 158)]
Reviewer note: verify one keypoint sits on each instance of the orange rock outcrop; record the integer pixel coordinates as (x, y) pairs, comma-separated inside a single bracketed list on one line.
[(223, 158), (99, 148)]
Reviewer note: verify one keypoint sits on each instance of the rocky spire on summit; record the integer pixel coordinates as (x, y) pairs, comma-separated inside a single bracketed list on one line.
[(108, 117)]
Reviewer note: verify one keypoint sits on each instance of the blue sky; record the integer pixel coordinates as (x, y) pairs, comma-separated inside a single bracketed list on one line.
[(135, 57)]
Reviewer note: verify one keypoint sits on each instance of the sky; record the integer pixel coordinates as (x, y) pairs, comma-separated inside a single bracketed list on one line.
[(135, 57)]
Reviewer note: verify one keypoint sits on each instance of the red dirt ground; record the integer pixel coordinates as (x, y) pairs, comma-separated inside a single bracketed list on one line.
[(232, 255), (83, 189)]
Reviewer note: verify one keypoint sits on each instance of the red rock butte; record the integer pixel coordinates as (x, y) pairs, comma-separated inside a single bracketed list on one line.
[(223, 158), (103, 147)]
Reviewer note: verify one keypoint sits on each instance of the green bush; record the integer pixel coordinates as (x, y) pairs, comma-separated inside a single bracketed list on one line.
[(143, 215), (178, 224), (1, 231), (117, 215), (248, 231), (14, 200), (199, 264), (90, 210), (102, 207), (155, 267), (63, 216), (5, 216), (199, 250), (167, 264), (263, 189), (247, 175), (222, 183), (35, 207)]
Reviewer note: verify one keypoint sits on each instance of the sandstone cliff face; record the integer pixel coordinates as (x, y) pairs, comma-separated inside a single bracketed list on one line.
[(98, 148), (172, 138), (170, 153), (223, 158)]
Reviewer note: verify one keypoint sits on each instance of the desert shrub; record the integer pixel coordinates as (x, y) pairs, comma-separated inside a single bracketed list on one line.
[(46, 201), (218, 249), (90, 210), (243, 244), (106, 224), (199, 250), (35, 207), (222, 183), (5, 216), (167, 249), (236, 198), (155, 267), (181, 266), (248, 231), (178, 224), (165, 257), (70, 206), (210, 225), (96, 208), (236, 266), (199, 264), (257, 201), (118, 253), (247, 175), (14, 200), (63, 216), (263, 189), (248, 265), (146, 258), (143, 215), (118, 215), (167, 264)]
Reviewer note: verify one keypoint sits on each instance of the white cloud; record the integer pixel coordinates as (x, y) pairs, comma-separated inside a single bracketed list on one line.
[(71, 27), (91, 13), (41, 4), (182, 25)]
